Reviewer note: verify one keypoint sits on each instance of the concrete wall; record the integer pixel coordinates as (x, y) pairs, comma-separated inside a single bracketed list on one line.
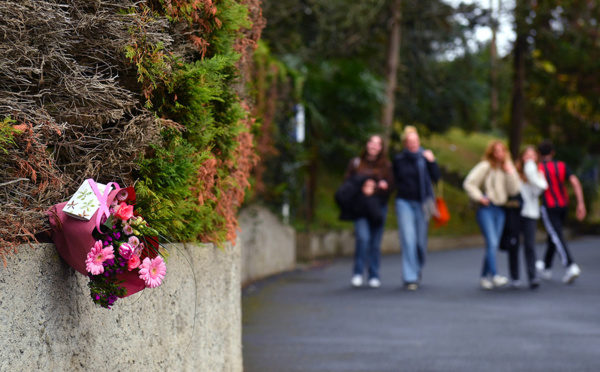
[(311, 246), (49, 323), (269, 245)]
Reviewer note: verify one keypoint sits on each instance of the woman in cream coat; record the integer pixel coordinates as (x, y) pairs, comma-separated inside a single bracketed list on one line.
[(489, 184)]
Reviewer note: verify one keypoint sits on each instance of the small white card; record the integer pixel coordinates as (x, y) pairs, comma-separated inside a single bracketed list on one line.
[(84, 203)]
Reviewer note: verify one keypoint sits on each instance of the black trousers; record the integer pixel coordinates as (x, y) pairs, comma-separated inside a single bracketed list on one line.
[(554, 220), (527, 227)]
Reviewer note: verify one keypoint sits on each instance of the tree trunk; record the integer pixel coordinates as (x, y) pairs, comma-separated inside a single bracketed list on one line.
[(494, 106), (517, 119), (392, 63)]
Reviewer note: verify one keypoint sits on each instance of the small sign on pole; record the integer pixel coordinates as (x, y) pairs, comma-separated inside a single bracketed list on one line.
[(300, 123)]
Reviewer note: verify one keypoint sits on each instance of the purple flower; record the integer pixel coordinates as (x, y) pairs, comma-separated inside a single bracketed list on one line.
[(112, 299)]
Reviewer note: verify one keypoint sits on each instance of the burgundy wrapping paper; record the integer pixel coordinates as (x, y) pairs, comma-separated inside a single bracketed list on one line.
[(73, 240)]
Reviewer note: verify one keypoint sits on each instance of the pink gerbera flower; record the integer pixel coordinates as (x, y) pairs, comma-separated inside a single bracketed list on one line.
[(97, 256), (153, 271)]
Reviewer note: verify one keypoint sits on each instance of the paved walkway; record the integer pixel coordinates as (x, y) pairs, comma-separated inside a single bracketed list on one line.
[(312, 320)]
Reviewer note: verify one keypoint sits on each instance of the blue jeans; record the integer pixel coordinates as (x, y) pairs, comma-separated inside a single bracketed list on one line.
[(368, 245), (491, 223), (413, 229)]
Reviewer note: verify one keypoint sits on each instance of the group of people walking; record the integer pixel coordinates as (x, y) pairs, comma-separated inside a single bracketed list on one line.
[(494, 185)]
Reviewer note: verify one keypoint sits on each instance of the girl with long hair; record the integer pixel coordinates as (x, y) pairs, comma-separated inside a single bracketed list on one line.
[(489, 184), (533, 184), (372, 170)]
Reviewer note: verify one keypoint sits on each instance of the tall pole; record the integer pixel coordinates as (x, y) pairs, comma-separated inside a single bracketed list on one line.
[(517, 114), (392, 63)]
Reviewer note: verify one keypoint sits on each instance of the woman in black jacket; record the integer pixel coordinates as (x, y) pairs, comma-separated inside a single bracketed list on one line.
[(372, 173), (415, 171)]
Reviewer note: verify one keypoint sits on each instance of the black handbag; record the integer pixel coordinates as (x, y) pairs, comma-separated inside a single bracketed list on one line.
[(354, 204), (346, 196), (510, 234)]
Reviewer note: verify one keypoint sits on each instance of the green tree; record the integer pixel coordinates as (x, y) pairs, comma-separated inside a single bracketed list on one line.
[(563, 73)]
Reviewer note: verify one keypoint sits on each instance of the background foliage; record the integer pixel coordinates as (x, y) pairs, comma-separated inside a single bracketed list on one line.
[(444, 82)]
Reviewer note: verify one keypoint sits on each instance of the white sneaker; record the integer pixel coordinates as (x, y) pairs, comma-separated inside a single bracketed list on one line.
[(357, 280), (516, 284), (572, 272), (499, 281), (543, 273), (411, 286), (485, 283), (374, 283)]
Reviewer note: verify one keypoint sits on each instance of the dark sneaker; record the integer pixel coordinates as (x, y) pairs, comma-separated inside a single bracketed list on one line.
[(534, 283)]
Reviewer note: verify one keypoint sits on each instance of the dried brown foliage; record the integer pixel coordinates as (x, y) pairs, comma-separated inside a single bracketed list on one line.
[(246, 45), (79, 118), (196, 19), (268, 94), (233, 186)]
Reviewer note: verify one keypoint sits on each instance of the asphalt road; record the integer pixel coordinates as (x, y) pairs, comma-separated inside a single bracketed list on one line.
[(312, 319)]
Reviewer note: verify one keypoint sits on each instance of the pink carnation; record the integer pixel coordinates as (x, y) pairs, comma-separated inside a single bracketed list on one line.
[(153, 271), (139, 249), (134, 241), (126, 250), (127, 229), (122, 195), (133, 263), (97, 256)]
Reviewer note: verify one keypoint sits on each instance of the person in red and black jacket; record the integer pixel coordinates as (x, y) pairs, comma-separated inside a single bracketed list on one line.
[(555, 202)]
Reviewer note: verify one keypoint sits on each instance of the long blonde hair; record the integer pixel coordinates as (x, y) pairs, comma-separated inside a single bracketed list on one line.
[(489, 153)]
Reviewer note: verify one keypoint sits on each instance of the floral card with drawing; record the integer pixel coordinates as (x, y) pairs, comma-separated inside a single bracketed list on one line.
[(84, 203)]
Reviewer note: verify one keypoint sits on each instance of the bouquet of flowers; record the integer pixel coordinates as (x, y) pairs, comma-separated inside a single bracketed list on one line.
[(117, 250)]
